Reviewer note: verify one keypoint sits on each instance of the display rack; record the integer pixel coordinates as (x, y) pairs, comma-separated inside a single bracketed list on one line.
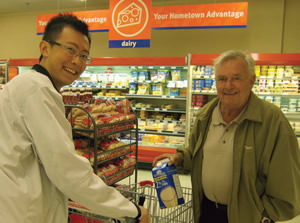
[(95, 132), (197, 60), (4, 65)]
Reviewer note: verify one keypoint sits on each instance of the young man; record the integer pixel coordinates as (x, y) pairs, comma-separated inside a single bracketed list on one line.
[(39, 169), (243, 153)]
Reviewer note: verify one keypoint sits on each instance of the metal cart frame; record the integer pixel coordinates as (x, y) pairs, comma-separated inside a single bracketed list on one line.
[(135, 192)]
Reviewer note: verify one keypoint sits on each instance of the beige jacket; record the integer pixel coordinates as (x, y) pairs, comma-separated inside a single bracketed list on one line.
[(266, 168)]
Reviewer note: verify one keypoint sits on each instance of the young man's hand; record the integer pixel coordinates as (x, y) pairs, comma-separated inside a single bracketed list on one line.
[(145, 218)]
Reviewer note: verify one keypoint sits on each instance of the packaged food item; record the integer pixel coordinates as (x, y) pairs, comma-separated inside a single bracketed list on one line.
[(176, 75), (167, 185), (134, 75), (143, 75), (132, 88), (153, 75), (174, 92), (157, 89), (162, 75), (143, 88)]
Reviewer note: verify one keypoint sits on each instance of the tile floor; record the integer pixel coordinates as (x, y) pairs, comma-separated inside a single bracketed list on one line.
[(184, 181)]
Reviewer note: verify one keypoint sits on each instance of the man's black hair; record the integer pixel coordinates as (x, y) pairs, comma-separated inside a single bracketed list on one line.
[(55, 26)]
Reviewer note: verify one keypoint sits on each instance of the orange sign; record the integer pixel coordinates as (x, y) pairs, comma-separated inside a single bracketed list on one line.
[(222, 15), (130, 23), (97, 20)]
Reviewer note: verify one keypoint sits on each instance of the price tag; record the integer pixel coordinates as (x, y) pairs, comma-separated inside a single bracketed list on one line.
[(120, 86), (173, 67), (172, 96), (150, 67), (156, 109), (162, 67), (143, 109), (205, 91), (133, 67), (159, 131), (164, 109), (157, 121), (172, 84), (164, 96), (197, 91), (140, 67), (175, 132)]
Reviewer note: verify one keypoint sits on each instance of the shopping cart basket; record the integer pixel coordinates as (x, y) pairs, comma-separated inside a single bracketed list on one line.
[(143, 191)]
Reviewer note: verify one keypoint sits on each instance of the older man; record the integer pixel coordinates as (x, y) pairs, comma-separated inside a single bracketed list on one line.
[(243, 154)]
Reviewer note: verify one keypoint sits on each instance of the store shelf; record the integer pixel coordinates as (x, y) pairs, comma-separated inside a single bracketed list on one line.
[(97, 157), (206, 92), (289, 95), (148, 96), (162, 132), (162, 121), (293, 116), (160, 110), (113, 97), (278, 78)]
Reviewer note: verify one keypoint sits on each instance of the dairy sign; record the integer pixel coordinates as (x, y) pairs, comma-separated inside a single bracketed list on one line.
[(129, 22), (130, 25)]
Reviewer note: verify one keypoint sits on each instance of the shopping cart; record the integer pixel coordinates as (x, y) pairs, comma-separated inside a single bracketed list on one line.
[(137, 193)]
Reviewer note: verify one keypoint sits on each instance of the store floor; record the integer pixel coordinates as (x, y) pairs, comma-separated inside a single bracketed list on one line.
[(185, 181)]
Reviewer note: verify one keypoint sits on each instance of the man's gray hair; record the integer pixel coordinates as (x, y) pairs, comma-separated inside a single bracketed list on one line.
[(234, 54)]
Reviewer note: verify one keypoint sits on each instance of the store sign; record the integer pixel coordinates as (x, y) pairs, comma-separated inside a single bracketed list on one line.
[(98, 20), (225, 15), (129, 22)]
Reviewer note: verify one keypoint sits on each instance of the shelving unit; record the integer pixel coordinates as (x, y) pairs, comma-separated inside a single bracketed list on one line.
[(146, 64), (95, 133)]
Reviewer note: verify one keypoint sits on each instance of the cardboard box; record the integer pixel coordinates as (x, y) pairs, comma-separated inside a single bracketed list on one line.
[(167, 185)]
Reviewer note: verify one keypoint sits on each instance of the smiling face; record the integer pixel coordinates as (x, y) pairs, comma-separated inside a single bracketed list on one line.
[(233, 84), (64, 68)]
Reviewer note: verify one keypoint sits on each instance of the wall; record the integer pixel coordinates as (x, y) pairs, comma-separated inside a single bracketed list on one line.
[(272, 28)]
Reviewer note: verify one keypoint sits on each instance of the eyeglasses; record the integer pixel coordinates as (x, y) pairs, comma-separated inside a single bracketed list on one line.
[(73, 52)]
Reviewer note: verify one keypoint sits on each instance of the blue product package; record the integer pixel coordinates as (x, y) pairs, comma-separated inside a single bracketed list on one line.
[(167, 185)]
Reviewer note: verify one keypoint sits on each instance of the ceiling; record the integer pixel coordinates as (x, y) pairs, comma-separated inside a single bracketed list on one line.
[(21, 6)]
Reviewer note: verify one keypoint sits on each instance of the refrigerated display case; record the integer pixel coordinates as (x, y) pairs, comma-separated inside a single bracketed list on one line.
[(156, 88), (161, 108), (277, 80)]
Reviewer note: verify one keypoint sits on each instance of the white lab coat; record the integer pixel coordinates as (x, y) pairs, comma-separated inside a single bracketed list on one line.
[(39, 169)]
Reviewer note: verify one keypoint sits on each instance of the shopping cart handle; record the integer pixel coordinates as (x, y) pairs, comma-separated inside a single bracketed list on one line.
[(146, 182)]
